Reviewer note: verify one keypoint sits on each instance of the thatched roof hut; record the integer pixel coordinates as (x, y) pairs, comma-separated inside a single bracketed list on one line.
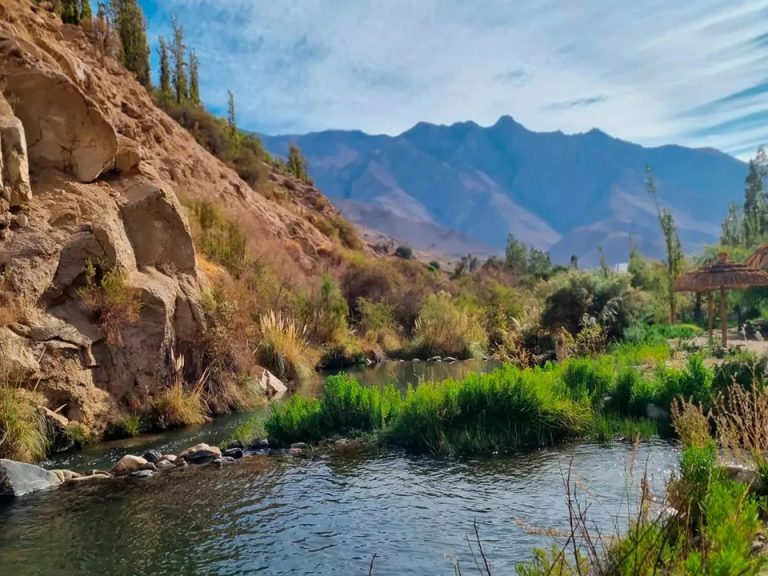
[(721, 276), (759, 259)]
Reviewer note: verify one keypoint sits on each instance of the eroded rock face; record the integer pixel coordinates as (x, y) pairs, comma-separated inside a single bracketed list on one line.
[(14, 166), (64, 128)]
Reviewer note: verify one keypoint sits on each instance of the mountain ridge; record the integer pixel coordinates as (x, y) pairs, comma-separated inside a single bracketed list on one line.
[(488, 181)]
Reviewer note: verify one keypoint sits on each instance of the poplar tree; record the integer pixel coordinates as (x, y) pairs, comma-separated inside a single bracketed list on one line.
[(194, 78), (165, 68), (231, 115), (178, 52), (132, 30), (671, 242)]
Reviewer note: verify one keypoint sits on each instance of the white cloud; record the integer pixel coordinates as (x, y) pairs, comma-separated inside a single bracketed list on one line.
[(633, 69)]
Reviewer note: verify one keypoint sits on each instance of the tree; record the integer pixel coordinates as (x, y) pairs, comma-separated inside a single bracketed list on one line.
[(107, 41), (132, 29), (231, 115), (516, 255), (297, 164), (194, 78), (674, 250), (71, 11), (86, 13), (574, 262), (733, 227), (539, 264), (755, 206), (178, 52), (165, 68)]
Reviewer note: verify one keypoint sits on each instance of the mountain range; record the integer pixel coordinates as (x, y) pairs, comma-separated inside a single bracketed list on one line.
[(580, 194)]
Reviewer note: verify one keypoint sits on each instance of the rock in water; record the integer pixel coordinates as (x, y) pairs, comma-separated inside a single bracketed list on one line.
[(153, 456), (129, 464), (18, 478), (201, 454), (235, 453)]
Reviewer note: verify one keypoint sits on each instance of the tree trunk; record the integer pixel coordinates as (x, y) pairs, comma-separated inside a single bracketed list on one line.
[(710, 313), (723, 317)]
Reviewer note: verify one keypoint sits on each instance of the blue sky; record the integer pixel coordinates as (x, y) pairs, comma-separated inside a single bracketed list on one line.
[(650, 71)]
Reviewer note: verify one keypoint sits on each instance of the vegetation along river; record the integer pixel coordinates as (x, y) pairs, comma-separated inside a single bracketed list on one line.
[(324, 515)]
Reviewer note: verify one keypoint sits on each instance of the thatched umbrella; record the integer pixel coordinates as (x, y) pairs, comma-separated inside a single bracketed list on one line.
[(759, 259), (722, 275)]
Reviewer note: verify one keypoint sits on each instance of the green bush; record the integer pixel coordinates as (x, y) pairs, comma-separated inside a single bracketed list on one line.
[(610, 300)]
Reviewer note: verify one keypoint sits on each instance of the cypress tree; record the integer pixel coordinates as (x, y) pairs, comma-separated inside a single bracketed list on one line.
[(165, 68), (231, 115), (178, 51), (194, 78), (70, 11), (132, 29)]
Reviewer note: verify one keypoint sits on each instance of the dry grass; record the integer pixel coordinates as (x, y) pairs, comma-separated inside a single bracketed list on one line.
[(690, 423), (740, 416), (181, 405), (282, 347)]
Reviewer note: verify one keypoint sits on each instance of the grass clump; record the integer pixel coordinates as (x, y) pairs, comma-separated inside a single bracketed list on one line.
[(445, 327), (23, 432), (127, 426), (179, 406), (111, 301), (282, 347)]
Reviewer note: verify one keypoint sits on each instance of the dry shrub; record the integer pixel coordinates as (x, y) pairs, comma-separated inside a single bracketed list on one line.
[(690, 423), (110, 300), (740, 416), (23, 430), (446, 328)]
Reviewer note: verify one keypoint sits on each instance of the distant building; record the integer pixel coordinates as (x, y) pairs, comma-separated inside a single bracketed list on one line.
[(621, 268)]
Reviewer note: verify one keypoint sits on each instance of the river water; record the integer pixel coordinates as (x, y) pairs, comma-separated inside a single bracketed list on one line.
[(323, 515)]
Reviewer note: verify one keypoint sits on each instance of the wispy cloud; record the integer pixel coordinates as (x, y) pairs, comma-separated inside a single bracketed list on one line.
[(652, 71), (577, 103)]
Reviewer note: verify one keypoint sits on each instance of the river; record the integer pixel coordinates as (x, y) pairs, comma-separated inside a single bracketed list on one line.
[(324, 515)]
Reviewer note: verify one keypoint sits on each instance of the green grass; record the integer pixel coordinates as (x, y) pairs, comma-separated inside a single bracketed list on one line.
[(711, 535), (603, 397), (251, 429), (502, 410), (128, 426)]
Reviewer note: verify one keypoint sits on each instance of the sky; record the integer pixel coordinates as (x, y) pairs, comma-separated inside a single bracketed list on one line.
[(689, 72)]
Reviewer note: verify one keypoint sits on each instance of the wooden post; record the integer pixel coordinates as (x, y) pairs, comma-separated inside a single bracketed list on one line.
[(710, 313), (723, 317)]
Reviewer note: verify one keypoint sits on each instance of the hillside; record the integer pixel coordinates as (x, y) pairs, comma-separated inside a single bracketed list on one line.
[(568, 194), (103, 293)]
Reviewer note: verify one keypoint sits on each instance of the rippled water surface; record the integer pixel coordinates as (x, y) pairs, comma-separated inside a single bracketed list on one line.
[(324, 515), (328, 515)]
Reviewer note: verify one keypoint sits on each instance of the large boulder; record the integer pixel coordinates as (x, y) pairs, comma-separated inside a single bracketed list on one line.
[(14, 166), (270, 384), (64, 128), (18, 478)]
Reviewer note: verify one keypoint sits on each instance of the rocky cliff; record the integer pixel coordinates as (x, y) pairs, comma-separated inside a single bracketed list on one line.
[(91, 173)]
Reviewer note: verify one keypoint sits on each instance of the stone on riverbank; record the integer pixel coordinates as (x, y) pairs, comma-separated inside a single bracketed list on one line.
[(223, 460), (18, 478), (130, 463), (201, 454), (165, 465)]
